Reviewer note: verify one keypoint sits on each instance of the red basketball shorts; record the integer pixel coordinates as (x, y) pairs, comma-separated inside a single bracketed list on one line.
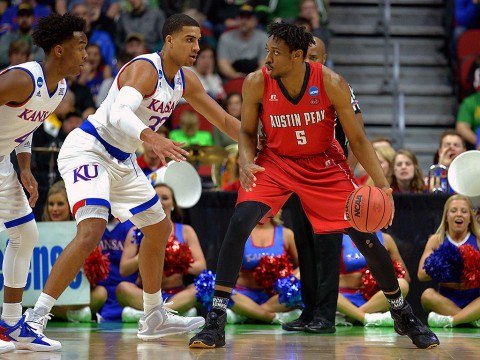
[(323, 183)]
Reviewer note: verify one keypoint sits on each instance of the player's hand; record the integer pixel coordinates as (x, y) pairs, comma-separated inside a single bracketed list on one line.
[(29, 183), (167, 148), (247, 177), (389, 192)]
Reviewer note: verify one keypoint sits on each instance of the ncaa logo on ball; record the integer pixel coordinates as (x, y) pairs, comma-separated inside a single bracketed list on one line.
[(357, 208)]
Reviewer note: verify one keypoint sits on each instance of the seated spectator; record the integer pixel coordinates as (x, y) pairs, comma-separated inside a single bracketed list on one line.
[(315, 12), (407, 175), (370, 308), (381, 141), (190, 132), (233, 106), (144, 20), (386, 155), (57, 209), (135, 45), (18, 52), (9, 21), (468, 117), (242, 50), (23, 32), (182, 297), (453, 302), (205, 69), (95, 71), (96, 36), (113, 242), (250, 299), (451, 145)]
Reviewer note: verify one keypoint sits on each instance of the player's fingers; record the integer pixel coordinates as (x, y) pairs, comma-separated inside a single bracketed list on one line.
[(33, 199)]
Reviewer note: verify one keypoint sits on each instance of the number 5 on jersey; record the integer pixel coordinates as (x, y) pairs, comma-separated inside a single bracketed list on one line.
[(301, 138)]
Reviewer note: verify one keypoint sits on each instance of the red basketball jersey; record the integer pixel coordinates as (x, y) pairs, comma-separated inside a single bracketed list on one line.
[(299, 127)]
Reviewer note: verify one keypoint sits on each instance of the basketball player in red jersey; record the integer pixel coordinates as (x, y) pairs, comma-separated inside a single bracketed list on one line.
[(297, 103)]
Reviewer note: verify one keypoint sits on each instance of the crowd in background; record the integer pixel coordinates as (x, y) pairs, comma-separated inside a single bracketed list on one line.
[(232, 45)]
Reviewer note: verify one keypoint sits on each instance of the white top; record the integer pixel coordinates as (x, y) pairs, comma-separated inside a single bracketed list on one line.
[(18, 122), (154, 110)]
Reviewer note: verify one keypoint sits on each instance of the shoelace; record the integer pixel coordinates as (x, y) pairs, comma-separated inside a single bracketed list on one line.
[(41, 320), (170, 312)]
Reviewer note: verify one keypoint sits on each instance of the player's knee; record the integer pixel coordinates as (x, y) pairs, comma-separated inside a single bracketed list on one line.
[(23, 237)]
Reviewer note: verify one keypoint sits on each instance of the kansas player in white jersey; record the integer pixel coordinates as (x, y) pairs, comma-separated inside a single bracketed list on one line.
[(101, 174), (30, 92)]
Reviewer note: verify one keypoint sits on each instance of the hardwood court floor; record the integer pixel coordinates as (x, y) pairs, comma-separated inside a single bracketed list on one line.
[(118, 341)]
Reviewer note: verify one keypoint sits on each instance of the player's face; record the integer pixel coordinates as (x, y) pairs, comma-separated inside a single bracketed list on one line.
[(458, 216), (279, 60), (57, 207), (75, 54), (166, 199), (185, 45)]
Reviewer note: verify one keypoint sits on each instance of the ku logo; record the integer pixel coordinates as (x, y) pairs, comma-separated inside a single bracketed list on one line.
[(273, 97), (85, 172)]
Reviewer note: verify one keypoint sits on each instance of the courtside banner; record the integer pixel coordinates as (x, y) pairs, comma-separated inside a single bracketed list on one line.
[(54, 237)]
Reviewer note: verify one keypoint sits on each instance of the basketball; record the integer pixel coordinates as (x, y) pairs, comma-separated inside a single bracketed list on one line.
[(368, 209)]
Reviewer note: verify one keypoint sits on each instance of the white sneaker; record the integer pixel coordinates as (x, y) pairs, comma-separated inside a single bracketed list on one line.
[(83, 315), (438, 321), (27, 337), (476, 323), (162, 321), (285, 317), (6, 346), (131, 315), (378, 319), (234, 318)]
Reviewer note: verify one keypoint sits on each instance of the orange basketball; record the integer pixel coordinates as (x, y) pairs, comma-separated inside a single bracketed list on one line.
[(368, 209)]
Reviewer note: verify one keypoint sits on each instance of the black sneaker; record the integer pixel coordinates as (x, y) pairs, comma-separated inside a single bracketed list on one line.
[(213, 334), (295, 325), (320, 325), (406, 323)]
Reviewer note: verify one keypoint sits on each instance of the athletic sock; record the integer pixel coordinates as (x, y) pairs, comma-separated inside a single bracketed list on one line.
[(44, 301), (11, 313), (396, 300), (151, 301), (220, 302)]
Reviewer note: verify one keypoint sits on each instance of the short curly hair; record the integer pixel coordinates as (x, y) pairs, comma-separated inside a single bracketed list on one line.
[(54, 29), (294, 36)]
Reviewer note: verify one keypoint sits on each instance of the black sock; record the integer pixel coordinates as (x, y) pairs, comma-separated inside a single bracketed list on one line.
[(396, 300), (220, 302)]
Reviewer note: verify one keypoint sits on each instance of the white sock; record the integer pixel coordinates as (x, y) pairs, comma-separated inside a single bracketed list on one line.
[(45, 301), (151, 301), (11, 313)]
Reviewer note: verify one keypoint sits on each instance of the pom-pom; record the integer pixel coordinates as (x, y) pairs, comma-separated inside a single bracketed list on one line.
[(471, 266), (96, 267), (205, 284), (270, 269), (370, 286), (178, 257), (137, 236), (289, 291), (444, 264)]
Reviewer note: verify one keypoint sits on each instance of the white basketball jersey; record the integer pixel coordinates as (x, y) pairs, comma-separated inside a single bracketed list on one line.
[(154, 109), (19, 121)]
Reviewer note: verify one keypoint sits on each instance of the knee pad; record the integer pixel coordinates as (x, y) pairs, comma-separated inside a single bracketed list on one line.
[(91, 211), (151, 216), (16, 261)]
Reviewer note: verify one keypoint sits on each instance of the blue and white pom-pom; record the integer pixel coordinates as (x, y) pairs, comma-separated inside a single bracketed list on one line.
[(289, 291), (205, 284)]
